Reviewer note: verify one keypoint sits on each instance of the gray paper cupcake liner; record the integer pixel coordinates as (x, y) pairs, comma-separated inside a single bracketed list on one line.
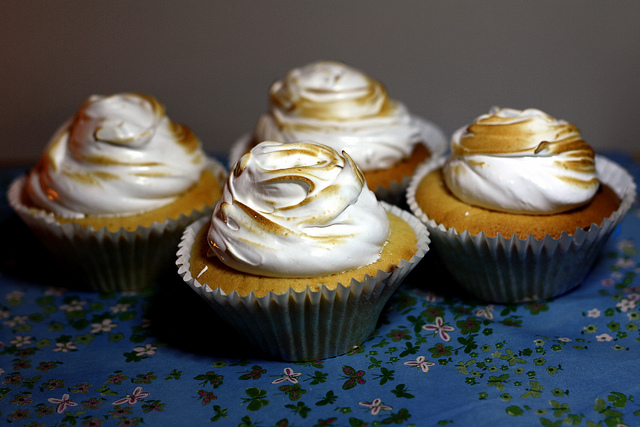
[(105, 261), (306, 325), (509, 270)]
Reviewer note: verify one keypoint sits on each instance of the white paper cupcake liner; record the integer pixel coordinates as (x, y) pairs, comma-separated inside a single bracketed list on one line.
[(433, 138), (306, 325), (105, 261), (508, 270)]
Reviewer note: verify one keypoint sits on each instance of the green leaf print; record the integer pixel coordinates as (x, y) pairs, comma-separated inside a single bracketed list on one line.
[(411, 349), (534, 390), (511, 358), (514, 411), (401, 417), (318, 378), (353, 377), (220, 413), (210, 378), (462, 367), (498, 381), (294, 391), (247, 422), (174, 375), (299, 409), (256, 399), (619, 400), (548, 423), (470, 325), (401, 390), (440, 350), (329, 398), (255, 373), (385, 376)]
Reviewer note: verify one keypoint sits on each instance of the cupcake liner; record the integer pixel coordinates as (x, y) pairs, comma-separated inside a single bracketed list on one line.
[(306, 325), (509, 270), (433, 138), (105, 261)]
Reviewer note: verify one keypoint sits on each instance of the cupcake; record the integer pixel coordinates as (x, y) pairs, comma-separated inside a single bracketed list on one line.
[(114, 190), (336, 105), (299, 255), (521, 207)]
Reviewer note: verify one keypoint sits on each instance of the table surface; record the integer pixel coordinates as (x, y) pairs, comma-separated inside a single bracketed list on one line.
[(438, 357)]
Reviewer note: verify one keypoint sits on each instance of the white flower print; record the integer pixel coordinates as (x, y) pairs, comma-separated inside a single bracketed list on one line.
[(633, 297), (19, 340), (56, 292), (604, 337), (15, 321), (64, 347), (132, 398), (626, 305), (14, 296), (486, 312), (63, 403), (433, 297), (594, 312), (148, 350), (119, 308), (288, 375), (73, 306), (421, 362), (376, 406), (625, 244), (106, 325), (625, 262), (608, 282), (440, 328)]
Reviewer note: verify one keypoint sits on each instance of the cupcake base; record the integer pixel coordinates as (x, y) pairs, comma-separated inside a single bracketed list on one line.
[(307, 324), (509, 270), (103, 260)]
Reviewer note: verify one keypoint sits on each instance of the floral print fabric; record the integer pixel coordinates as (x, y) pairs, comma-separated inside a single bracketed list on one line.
[(160, 357)]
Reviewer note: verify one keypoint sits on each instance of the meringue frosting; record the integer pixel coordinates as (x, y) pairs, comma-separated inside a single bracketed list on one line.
[(336, 105), (521, 161), (297, 210), (118, 155)]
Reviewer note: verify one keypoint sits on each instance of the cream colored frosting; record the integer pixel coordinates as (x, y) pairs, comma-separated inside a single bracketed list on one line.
[(118, 155), (297, 210), (333, 104), (521, 162)]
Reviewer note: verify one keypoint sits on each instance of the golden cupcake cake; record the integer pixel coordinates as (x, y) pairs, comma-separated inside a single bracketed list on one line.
[(115, 188), (333, 104), (299, 255), (522, 205)]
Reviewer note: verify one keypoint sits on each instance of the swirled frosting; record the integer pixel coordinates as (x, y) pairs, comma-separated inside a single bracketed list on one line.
[(522, 162), (333, 104), (118, 155), (297, 210)]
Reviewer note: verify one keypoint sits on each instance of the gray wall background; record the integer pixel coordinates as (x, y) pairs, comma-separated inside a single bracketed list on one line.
[(211, 63)]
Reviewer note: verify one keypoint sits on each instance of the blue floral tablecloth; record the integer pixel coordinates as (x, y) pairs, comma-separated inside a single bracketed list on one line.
[(438, 358)]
